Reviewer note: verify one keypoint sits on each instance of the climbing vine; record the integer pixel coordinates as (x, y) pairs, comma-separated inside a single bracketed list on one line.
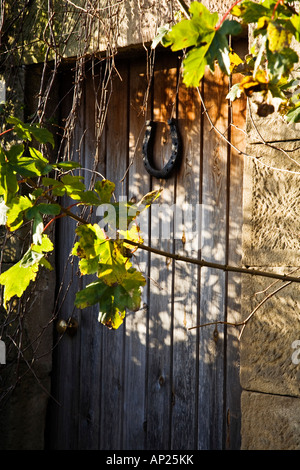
[(269, 70), (118, 284)]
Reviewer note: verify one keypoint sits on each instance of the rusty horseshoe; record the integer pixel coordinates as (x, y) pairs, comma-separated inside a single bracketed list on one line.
[(173, 161)]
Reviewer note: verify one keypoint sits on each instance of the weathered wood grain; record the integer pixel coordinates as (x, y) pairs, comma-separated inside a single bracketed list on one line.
[(137, 322), (161, 272), (112, 354), (213, 282), (155, 384), (186, 276), (234, 256)]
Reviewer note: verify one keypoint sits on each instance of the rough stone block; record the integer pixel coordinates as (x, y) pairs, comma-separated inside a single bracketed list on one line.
[(270, 422), (269, 360), (271, 206)]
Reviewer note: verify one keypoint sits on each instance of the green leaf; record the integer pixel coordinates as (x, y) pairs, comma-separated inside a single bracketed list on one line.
[(17, 209), (104, 189), (8, 182), (42, 135), (28, 166), (16, 280), (45, 246), (194, 66), (89, 198), (202, 16), (235, 92), (49, 209), (196, 31), (249, 11), (98, 292), (295, 21), (183, 35), (91, 240), (26, 131), (230, 27), (293, 115), (279, 36), (113, 299), (281, 63), (89, 265), (37, 228), (160, 37), (219, 51), (15, 153), (73, 186), (68, 165)]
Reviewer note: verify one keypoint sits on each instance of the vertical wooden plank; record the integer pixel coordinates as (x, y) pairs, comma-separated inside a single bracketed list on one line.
[(136, 322), (112, 354), (68, 349), (90, 328), (213, 282), (161, 274), (184, 403), (233, 388)]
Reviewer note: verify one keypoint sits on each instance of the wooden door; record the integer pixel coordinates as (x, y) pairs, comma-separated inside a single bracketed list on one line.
[(155, 383)]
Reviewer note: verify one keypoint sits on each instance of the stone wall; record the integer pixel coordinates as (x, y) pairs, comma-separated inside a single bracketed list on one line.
[(269, 376)]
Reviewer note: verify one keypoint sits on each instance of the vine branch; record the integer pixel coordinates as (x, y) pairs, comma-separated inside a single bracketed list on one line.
[(208, 264)]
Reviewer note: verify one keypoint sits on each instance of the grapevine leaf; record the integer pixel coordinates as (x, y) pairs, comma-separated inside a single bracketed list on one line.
[(73, 186), (42, 135), (91, 294), (219, 51), (194, 67), (37, 228), (113, 299), (160, 37), (250, 12), (293, 115), (45, 246), (104, 189), (26, 131), (92, 239), (196, 31), (38, 225), (16, 280), (202, 16), (235, 92), (98, 292), (183, 35), (295, 21), (89, 198), (15, 152), (133, 233), (279, 36), (16, 212), (49, 209), (68, 165), (281, 64), (230, 27), (89, 266), (149, 198), (8, 182)]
